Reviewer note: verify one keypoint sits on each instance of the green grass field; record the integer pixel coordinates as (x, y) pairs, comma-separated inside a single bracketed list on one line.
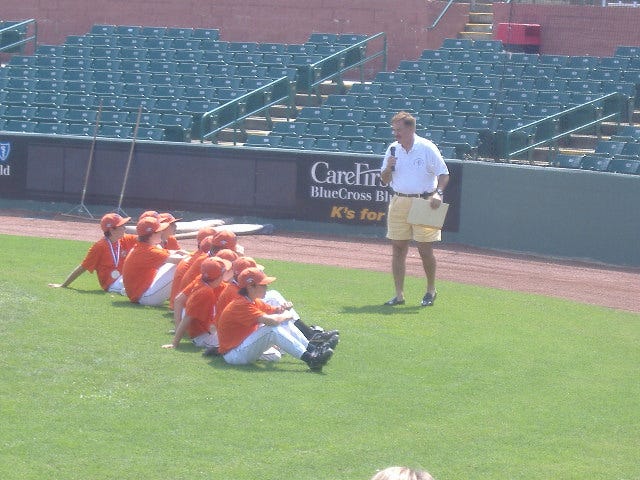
[(487, 384)]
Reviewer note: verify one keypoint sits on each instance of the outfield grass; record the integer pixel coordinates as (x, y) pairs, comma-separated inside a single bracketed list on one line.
[(487, 384)]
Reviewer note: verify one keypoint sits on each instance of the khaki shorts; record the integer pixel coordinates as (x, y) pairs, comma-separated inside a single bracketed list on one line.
[(399, 229)]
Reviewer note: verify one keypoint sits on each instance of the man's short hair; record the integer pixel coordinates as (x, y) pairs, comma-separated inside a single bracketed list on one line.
[(405, 118)]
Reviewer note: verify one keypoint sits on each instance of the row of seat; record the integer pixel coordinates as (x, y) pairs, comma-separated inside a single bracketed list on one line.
[(598, 163)]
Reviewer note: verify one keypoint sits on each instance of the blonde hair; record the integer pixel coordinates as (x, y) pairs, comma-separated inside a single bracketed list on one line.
[(401, 473), (405, 118)]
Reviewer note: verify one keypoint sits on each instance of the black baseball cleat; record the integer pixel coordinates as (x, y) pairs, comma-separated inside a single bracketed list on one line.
[(330, 339), (211, 352), (428, 299), (393, 302), (319, 358)]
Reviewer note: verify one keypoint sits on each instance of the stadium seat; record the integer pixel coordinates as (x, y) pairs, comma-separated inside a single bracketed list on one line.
[(361, 146), (457, 44), (631, 150), (377, 117), (115, 131), (465, 142), (323, 38), (615, 63), (300, 143), (441, 55), (347, 101), (595, 162), (557, 60), (332, 145), (624, 166), (296, 128), (465, 57), (100, 29), (51, 128), (81, 116), (132, 104), (177, 127), (517, 83), (263, 140), (580, 61), (78, 101), (412, 105), (389, 77), (427, 92), (447, 151), (475, 69), (488, 45), (49, 114), (608, 148), (170, 105), (367, 102), (19, 97), (150, 133), (345, 115), (470, 107), (178, 32), (15, 125), (113, 117), (80, 129), (563, 160), (396, 89), (356, 132), (438, 106), (435, 136), (48, 99), (323, 130), (20, 112), (127, 30)]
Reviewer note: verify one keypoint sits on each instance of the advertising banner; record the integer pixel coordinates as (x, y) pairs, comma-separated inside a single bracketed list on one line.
[(343, 189), (13, 161)]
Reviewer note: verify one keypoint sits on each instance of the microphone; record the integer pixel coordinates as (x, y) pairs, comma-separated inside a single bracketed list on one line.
[(392, 151)]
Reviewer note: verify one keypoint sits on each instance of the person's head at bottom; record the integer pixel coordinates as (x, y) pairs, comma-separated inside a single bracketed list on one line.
[(401, 473)]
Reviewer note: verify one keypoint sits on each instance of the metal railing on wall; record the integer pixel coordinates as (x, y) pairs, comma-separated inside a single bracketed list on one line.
[(549, 130), (14, 36), (308, 78)]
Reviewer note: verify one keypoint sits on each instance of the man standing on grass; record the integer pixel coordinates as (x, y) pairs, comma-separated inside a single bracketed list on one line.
[(414, 168)]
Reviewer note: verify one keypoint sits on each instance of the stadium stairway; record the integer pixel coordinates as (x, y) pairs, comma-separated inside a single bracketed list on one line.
[(480, 24)]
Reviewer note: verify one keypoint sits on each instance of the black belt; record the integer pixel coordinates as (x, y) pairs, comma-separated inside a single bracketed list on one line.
[(414, 195)]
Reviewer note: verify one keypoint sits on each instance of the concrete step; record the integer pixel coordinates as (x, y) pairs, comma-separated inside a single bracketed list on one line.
[(481, 17), (479, 27), (476, 35)]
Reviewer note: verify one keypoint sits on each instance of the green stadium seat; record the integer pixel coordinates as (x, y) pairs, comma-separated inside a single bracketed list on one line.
[(434, 135), (627, 51), (458, 93), (206, 33), (480, 124), (22, 60), (132, 104), (332, 145), (129, 41), (627, 166), (510, 109), (356, 132), (493, 57), (45, 53), (15, 125), (323, 38), (246, 47), (170, 105), (580, 61), (615, 63), (373, 148), (314, 114), (106, 64), (546, 97), (80, 129), (150, 133), (48, 99), (465, 142), (19, 97), (557, 60), (484, 82), (563, 160), (178, 32), (583, 86), (105, 51), (192, 92), (113, 117), (190, 68), (133, 53), (300, 143), (111, 102), (441, 55), (521, 96), (51, 128), (270, 140), (78, 101), (396, 89), (487, 94), (77, 63), (75, 115), (186, 44), (368, 88), (296, 128), (377, 117), (443, 67), (630, 150), (457, 44), (465, 57), (115, 131), (346, 115), (389, 77), (538, 111), (20, 112), (177, 127), (525, 58), (25, 84), (367, 102), (488, 45), (128, 30), (323, 130), (345, 101), (595, 162), (508, 69), (609, 148), (446, 121), (420, 79), (101, 29), (49, 114), (473, 107), (447, 151), (405, 66)]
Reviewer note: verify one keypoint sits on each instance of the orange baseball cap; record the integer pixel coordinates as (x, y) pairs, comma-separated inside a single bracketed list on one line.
[(149, 213), (149, 225), (112, 220), (204, 245), (253, 276), (225, 239), (227, 254), (205, 232), (242, 263), (167, 218), (213, 268)]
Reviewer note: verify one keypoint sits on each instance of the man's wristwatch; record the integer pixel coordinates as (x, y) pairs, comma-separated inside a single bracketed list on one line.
[(439, 191)]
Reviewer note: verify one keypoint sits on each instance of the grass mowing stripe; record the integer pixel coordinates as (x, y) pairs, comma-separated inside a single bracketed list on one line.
[(485, 383)]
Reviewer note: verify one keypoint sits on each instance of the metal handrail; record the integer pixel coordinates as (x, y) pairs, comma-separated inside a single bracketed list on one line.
[(555, 119), (313, 80), (24, 23), (439, 17), (238, 106)]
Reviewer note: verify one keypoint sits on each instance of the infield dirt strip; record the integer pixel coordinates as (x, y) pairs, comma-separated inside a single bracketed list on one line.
[(582, 282)]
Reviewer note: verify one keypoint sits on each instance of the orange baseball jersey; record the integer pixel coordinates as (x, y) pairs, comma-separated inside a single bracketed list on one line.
[(171, 243), (239, 320), (229, 294), (194, 269), (140, 268), (102, 256), (181, 269), (200, 307)]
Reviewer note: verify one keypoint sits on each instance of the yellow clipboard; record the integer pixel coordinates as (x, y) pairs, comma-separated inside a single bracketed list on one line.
[(421, 213)]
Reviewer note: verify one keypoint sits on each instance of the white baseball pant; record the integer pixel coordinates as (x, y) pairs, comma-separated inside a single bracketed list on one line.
[(160, 289)]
